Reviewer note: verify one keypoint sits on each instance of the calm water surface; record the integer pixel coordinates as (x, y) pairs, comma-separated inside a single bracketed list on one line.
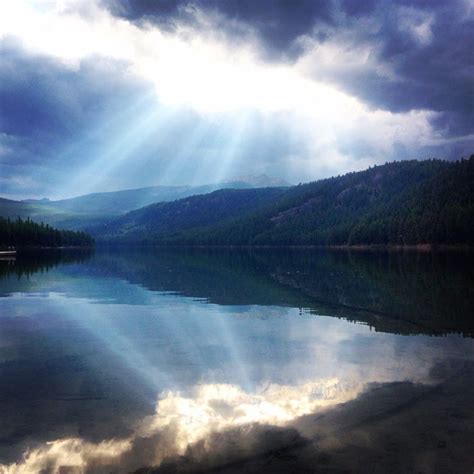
[(236, 361)]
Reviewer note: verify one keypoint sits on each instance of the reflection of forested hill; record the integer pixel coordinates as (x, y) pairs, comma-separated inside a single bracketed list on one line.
[(411, 293), (408, 293), (393, 292), (29, 262)]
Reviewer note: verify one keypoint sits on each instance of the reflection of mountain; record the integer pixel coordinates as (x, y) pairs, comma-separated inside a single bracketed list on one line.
[(410, 293), (16, 272), (393, 292)]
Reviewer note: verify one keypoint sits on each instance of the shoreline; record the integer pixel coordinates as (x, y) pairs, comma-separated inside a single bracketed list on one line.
[(37, 248), (425, 248), (415, 248)]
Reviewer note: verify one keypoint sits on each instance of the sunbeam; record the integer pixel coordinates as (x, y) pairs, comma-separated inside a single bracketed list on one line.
[(122, 147), (230, 148), (188, 150)]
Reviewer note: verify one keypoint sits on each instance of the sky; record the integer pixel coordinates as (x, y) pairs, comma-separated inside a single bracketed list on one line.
[(100, 95)]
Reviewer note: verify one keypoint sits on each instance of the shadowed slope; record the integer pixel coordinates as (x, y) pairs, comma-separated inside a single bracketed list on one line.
[(399, 203), (190, 213)]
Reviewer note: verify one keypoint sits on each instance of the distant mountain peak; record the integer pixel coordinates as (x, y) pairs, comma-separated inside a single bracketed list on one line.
[(260, 180)]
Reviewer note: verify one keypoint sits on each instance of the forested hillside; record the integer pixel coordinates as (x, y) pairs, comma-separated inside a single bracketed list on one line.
[(116, 203), (401, 203), (95, 209), (196, 212), (26, 233)]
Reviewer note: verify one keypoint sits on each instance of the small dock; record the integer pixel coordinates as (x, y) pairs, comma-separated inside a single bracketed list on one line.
[(7, 253)]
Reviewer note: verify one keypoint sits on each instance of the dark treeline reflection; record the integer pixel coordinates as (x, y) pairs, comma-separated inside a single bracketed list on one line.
[(406, 293), (28, 262)]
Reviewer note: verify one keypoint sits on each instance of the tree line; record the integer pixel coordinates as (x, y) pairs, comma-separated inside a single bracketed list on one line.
[(26, 233), (402, 203)]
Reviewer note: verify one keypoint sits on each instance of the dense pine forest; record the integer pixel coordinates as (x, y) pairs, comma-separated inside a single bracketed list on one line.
[(194, 212), (400, 203), (26, 233)]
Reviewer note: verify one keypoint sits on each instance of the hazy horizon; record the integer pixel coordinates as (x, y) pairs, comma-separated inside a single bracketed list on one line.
[(235, 179)]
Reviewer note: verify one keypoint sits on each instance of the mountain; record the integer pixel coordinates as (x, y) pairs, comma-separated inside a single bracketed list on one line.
[(120, 202), (44, 211), (96, 208), (259, 181), (33, 209), (194, 212), (37, 201), (408, 202)]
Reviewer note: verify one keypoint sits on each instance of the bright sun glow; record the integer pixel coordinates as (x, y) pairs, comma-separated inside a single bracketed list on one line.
[(190, 71), (211, 79)]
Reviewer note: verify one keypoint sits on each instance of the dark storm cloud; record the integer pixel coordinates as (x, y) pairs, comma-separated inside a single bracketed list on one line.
[(277, 22), (163, 11), (432, 72), (42, 97), (46, 107)]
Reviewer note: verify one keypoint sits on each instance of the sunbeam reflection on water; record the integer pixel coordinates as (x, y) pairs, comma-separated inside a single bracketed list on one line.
[(117, 363)]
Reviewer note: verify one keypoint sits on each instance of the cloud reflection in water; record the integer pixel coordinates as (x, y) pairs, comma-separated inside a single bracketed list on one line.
[(180, 421)]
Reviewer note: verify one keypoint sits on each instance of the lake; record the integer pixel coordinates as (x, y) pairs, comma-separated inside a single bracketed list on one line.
[(124, 360)]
